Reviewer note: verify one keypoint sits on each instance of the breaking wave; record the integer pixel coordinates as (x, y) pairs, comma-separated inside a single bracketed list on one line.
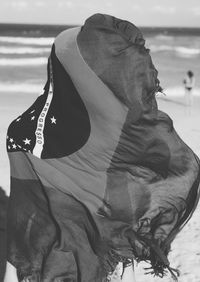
[(23, 50), (20, 62), (179, 50), (21, 87), (28, 40)]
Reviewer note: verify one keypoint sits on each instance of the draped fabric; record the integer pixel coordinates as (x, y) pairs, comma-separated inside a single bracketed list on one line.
[(98, 174)]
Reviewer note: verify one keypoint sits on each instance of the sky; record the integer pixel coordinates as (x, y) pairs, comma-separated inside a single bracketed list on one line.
[(178, 13)]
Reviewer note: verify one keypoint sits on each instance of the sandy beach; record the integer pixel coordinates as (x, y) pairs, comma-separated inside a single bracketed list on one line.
[(185, 253)]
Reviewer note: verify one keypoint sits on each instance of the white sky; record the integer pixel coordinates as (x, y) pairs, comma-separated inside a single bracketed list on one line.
[(141, 12)]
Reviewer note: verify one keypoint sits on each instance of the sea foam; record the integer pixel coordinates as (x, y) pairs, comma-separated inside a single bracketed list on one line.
[(23, 50), (164, 37), (21, 62), (28, 40), (187, 51), (179, 50), (21, 87)]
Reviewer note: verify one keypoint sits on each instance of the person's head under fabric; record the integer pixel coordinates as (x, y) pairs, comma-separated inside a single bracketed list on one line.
[(112, 182)]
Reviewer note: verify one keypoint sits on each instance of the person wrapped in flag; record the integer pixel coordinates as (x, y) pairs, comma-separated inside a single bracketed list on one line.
[(99, 175)]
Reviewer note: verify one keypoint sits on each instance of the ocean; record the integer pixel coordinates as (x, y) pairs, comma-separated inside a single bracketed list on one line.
[(24, 50)]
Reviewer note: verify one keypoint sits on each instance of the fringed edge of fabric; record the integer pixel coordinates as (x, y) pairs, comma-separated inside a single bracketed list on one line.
[(159, 262), (160, 265), (111, 261)]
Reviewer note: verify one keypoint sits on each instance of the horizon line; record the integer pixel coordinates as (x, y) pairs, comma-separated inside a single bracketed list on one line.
[(76, 24)]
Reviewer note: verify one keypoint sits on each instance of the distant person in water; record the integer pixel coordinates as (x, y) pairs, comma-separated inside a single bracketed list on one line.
[(189, 83)]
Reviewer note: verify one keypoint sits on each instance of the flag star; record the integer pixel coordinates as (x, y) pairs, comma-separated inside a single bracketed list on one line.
[(33, 117), (14, 146), (53, 120), (8, 147), (7, 137), (27, 141), (18, 119), (11, 140)]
